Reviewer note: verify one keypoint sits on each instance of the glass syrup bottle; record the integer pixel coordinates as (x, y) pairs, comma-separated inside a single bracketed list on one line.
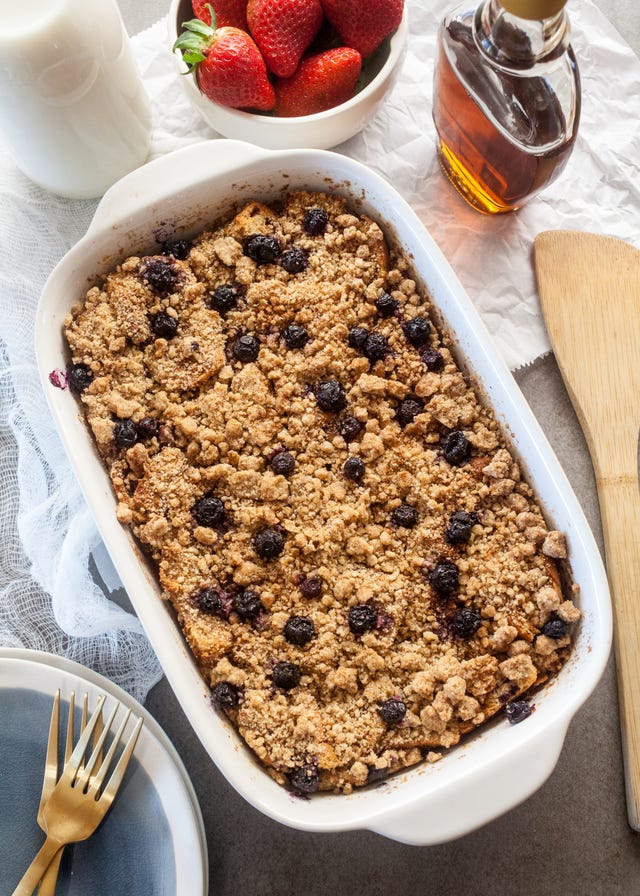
[(506, 100)]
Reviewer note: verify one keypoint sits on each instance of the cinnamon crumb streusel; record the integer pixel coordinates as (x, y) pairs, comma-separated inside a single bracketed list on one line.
[(360, 568)]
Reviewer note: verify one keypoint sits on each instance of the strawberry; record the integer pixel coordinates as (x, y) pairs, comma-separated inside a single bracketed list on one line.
[(227, 65), (283, 29), (321, 82), (228, 12), (363, 24)]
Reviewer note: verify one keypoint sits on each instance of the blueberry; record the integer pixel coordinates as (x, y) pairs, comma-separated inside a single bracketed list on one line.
[(209, 511), (555, 628), (225, 695), (148, 428), (350, 428), (457, 447), (247, 604), (295, 336), (362, 619), (125, 433), (417, 331), (268, 543), (386, 305), (444, 578), (375, 775), (517, 711), (460, 526), (161, 275), (286, 675), (432, 359), (375, 347), (465, 622), (178, 248), (283, 463), (330, 396), (79, 377), (246, 348), (392, 711), (262, 249), (212, 600), (354, 469), (305, 779), (405, 515), (357, 337), (294, 261), (311, 587), (299, 630), (163, 325), (224, 298), (408, 408), (315, 221)]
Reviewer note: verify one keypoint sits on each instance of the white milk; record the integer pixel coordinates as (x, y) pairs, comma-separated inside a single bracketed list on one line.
[(73, 110)]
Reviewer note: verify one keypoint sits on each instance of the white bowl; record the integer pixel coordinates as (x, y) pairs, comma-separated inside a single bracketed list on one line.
[(320, 131), (500, 765)]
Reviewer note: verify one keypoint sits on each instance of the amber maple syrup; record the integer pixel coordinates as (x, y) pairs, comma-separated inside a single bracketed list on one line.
[(501, 137)]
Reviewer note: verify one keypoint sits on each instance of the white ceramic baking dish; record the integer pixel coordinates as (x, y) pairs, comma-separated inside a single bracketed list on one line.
[(495, 768)]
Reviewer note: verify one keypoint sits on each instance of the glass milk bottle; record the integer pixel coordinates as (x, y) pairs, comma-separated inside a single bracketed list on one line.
[(73, 110), (506, 100)]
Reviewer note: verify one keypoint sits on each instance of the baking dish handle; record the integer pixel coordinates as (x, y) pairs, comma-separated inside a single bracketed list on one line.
[(479, 797), (171, 173)]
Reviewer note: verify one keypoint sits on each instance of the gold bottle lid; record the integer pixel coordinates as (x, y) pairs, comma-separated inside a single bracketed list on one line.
[(533, 9)]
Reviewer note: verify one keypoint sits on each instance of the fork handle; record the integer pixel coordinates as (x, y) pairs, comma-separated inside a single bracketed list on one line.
[(37, 868), (50, 877)]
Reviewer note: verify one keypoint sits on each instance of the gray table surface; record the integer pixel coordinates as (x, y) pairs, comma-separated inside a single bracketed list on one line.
[(570, 838)]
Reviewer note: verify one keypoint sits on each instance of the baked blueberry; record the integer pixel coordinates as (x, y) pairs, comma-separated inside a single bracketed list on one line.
[(517, 711), (246, 348), (125, 433), (417, 331), (386, 305), (460, 526), (444, 578), (225, 695), (311, 587), (161, 275), (357, 337), (164, 325), (465, 622), (393, 711), (283, 463), (362, 618), (295, 336), (148, 428), (299, 630), (350, 428), (247, 604), (375, 347), (408, 408), (268, 543), (294, 261), (209, 511), (286, 675), (79, 376), (354, 468), (330, 396), (315, 221), (263, 249), (305, 780), (432, 359), (555, 628), (178, 248), (457, 447), (405, 515), (224, 298), (212, 600)]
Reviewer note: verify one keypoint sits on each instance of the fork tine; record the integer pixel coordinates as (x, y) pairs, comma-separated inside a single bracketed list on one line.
[(86, 772), (51, 761), (68, 747), (114, 782), (71, 768), (99, 777)]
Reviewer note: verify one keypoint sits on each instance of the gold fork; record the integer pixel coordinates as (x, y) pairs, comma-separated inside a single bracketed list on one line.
[(76, 806), (50, 877)]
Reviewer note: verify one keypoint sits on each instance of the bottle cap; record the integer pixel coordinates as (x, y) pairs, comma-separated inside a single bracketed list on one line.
[(533, 9)]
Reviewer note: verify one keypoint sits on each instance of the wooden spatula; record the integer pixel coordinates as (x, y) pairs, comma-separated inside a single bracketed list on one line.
[(589, 288)]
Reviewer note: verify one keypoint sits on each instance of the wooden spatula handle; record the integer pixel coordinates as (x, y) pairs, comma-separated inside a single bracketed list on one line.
[(619, 497)]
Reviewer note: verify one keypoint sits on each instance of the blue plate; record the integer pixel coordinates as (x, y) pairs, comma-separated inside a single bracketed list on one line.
[(152, 840)]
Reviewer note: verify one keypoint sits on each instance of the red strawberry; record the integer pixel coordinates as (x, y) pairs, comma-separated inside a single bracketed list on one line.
[(321, 82), (228, 12), (363, 24), (283, 29), (227, 64)]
